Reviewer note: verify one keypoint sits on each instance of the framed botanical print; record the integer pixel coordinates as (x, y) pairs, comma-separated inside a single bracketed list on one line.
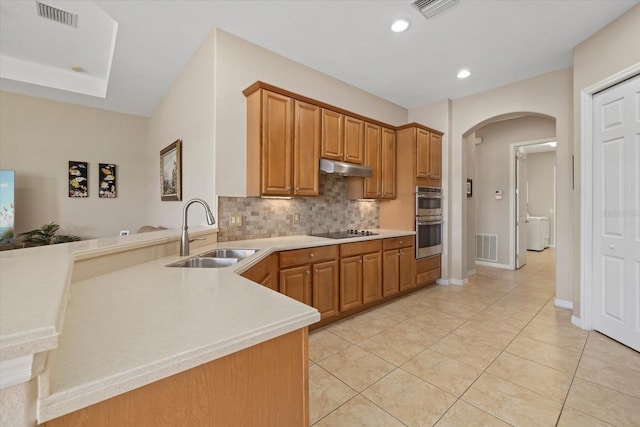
[(171, 172)]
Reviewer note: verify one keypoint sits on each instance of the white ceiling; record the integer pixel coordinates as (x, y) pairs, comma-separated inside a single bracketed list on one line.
[(500, 41)]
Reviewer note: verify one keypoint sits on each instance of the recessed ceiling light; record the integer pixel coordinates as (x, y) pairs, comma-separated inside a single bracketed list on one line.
[(399, 25), (463, 74)]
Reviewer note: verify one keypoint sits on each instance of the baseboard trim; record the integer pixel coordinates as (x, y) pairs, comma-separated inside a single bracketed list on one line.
[(458, 282), (576, 321), (494, 265), (443, 282), (471, 272), (563, 304)]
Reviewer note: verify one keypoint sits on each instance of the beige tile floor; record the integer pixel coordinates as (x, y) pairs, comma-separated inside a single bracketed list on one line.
[(495, 352)]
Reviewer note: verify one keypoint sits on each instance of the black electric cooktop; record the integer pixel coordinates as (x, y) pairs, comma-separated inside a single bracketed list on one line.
[(345, 234)]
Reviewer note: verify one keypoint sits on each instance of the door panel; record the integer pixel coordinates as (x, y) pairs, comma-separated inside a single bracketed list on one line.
[(276, 144), (521, 208), (616, 243), (350, 283), (325, 288), (371, 277), (306, 149), (296, 283)]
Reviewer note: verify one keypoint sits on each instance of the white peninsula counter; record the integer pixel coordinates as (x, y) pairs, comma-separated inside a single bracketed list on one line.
[(98, 319)]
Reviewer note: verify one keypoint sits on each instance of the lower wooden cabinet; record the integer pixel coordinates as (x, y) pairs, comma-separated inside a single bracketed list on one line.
[(398, 265), (338, 279), (371, 277), (325, 288), (312, 284), (265, 272), (296, 283), (350, 282)]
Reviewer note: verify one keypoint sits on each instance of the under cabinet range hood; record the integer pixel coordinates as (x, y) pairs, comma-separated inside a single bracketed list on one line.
[(342, 168)]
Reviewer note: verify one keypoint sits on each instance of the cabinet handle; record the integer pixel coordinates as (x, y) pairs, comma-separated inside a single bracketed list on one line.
[(297, 188), (360, 261), (311, 255), (398, 253), (307, 272), (316, 270), (400, 241), (346, 156)]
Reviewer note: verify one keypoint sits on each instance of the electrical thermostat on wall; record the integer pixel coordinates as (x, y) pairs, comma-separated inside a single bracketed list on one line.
[(498, 194)]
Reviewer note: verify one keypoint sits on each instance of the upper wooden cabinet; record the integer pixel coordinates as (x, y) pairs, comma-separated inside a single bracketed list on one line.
[(428, 157), (380, 155), (342, 137), (285, 133), (388, 162), (372, 148)]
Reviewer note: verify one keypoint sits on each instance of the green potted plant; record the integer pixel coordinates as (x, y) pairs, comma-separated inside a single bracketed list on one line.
[(46, 235)]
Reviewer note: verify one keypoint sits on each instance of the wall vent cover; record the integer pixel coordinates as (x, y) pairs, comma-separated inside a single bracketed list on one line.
[(430, 8), (57, 15), (487, 247)]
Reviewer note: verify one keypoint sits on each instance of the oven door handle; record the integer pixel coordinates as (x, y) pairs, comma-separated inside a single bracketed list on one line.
[(428, 196), (428, 222)]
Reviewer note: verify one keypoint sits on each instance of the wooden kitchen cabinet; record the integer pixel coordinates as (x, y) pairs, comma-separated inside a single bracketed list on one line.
[(428, 157), (371, 277), (325, 288), (296, 283), (342, 137), (388, 164), (285, 134), (265, 272), (350, 283), (311, 277), (360, 273), (372, 147), (381, 156), (398, 265)]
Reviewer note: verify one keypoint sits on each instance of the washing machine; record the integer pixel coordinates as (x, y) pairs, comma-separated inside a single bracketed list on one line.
[(537, 233)]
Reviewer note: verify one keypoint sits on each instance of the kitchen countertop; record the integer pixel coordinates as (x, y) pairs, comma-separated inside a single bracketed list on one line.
[(137, 325)]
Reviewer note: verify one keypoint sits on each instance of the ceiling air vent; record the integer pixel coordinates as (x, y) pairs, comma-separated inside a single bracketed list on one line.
[(430, 8), (58, 15)]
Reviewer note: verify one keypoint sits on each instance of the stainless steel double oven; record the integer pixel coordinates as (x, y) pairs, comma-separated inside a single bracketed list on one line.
[(428, 221)]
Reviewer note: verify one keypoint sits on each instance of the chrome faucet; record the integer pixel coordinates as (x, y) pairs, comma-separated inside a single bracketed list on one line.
[(184, 239)]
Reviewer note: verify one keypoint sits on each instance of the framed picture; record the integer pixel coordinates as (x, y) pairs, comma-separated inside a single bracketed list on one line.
[(78, 179), (107, 181), (469, 188), (171, 172)]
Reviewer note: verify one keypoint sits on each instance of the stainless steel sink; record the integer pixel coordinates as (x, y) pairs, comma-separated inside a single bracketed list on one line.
[(205, 262), (230, 253)]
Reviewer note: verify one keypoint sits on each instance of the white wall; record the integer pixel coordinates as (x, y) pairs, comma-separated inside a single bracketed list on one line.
[(239, 64), (186, 112), (604, 54), (540, 194), (38, 138), (492, 162)]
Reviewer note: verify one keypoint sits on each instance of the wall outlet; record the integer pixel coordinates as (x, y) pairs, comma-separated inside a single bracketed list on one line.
[(296, 217), (235, 220)]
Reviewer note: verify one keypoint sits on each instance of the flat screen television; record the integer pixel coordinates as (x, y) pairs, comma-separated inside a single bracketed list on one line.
[(7, 210)]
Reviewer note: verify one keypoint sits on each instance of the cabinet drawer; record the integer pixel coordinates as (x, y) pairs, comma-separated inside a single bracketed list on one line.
[(358, 248), (427, 277), (397, 242), (308, 256), (426, 264)]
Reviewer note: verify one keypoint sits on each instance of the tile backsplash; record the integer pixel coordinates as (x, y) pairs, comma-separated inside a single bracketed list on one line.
[(331, 211)]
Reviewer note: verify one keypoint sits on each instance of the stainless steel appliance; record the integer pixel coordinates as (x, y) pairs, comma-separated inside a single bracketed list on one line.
[(428, 221), (428, 201), (345, 234), (428, 236)]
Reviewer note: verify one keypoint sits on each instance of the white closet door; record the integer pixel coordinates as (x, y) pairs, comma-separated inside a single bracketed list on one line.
[(616, 212)]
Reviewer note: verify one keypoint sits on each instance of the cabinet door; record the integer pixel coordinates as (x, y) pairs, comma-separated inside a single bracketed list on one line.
[(372, 140), (391, 272), (296, 283), (422, 153), (350, 282), (435, 156), (388, 173), (332, 135), (353, 140), (265, 272), (306, 149), (277, 129), (371, 277), (407, 268), (325, 288)]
